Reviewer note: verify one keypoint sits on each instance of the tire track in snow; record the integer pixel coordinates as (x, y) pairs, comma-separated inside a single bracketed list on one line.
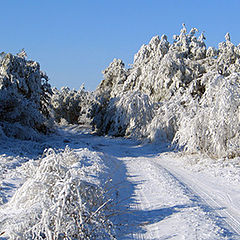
[(151, 173), (157, 188), (144, 199), (232, 219)]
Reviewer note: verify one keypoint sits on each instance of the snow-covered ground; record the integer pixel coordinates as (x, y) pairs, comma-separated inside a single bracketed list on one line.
[(159, 194)]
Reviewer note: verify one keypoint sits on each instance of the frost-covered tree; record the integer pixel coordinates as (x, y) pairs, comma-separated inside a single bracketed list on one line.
[(71, 105), (214, 127), (114, 76), (24, 97), (187, 85), (159, 71), (125, 115)]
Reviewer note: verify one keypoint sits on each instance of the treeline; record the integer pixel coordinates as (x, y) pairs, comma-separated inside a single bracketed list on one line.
[(181, 92)]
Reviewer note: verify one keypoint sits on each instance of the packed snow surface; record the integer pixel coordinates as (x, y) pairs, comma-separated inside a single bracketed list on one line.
[(158, 193)]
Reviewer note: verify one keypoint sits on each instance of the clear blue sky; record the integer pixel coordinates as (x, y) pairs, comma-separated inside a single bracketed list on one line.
[(75, 40)]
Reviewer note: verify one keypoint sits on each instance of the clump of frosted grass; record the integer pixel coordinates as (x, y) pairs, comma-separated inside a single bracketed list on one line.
[(58, 201)]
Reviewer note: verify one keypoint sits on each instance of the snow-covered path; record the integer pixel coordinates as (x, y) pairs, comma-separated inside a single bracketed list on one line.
[(160, 194), (167, 201), (224, 199), (166, 207)]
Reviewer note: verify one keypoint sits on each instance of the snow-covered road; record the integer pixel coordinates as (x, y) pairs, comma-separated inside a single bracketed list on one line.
[(172, 205), (159, 194), (168, 200), (224, 199)]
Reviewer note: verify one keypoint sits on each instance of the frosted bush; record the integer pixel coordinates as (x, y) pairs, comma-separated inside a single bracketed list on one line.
[(165, 123), (17, 130), (214, 129), (127, 115), (59, 201), (24, 95), (71, 105)]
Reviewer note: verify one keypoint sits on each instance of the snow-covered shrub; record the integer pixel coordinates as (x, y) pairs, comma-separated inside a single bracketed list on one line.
[(59, 200), (127, 115), (24, 96), (215, 126), (164, 124), (71, 105)]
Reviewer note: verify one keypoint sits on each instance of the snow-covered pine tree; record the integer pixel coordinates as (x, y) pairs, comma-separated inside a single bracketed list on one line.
[(24, 96)]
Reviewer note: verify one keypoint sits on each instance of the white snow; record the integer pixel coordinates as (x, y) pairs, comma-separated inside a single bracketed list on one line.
[(73, 184), (159, 194)]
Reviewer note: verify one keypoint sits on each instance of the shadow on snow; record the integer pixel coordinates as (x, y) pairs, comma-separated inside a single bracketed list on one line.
[(128, 221)]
